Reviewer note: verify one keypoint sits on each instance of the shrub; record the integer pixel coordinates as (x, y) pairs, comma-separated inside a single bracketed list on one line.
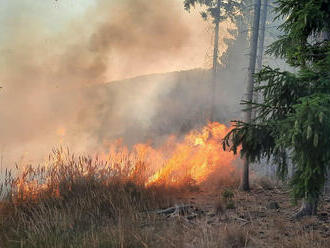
[(228, 194)]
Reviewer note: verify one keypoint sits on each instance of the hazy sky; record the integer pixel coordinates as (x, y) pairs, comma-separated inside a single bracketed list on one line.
[(41, 22)]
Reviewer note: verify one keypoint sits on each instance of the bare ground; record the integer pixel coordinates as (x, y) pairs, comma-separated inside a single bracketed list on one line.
[(261, 216)]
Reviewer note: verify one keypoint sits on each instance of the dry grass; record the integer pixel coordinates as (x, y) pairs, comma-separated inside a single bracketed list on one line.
[(84, 202), (77, 202), (306, 240), (220, 207), (235, 236), (227, 236)]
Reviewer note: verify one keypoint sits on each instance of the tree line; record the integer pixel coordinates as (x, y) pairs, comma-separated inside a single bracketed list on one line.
[(291, 121)]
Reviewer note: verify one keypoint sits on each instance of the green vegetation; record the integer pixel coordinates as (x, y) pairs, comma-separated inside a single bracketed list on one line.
[(228, 194), (228, 9), (293, 122)]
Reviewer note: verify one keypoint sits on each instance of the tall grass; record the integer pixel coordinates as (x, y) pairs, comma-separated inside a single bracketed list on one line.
[(77, 202)]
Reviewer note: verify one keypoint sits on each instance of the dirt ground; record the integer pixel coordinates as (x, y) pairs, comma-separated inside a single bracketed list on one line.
[(265, 214)]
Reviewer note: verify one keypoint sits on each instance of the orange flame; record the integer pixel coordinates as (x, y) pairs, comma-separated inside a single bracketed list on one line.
[(197, 157), (193, 160)]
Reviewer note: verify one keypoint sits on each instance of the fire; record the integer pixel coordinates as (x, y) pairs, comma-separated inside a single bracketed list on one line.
[(197, 157), (61, 132), (193, 160)]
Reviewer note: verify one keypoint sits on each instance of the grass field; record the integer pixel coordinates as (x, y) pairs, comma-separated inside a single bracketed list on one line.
[(84, 202)]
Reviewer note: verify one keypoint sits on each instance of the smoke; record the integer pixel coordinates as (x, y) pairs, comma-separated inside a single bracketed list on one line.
[(55, 57), (51, 60)]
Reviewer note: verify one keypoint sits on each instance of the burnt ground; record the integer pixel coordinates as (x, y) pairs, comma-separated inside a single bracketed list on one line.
[(264, 214)]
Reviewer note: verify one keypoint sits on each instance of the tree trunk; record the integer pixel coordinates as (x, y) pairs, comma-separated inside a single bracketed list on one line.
[(245, 182), (308, 207), (249, 96), (263, 20), (215, 61)]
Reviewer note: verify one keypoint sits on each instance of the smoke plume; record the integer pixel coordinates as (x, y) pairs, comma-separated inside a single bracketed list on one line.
[(54, 62)]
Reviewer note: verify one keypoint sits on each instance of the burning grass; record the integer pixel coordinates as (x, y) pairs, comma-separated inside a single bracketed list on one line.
[(117, 199), (83, 202), (72, 201), (196, 160), (106, 201)]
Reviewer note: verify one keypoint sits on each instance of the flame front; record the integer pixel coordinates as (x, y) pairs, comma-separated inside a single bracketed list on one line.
[(196, 159)]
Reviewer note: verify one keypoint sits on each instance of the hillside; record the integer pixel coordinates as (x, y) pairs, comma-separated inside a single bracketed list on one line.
[(157, 105)]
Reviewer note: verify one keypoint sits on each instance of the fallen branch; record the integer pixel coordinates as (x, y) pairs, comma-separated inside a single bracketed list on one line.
[(178, 209), (241, 219)]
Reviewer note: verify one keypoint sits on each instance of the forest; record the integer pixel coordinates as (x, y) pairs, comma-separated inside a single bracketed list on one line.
[(165, 123)]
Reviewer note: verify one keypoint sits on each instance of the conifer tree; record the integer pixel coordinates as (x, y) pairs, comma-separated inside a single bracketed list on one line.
[(218, 11), (293, 122)]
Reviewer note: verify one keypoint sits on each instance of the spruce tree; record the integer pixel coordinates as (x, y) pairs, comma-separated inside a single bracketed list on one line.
[(218, 11), (293, 122)]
